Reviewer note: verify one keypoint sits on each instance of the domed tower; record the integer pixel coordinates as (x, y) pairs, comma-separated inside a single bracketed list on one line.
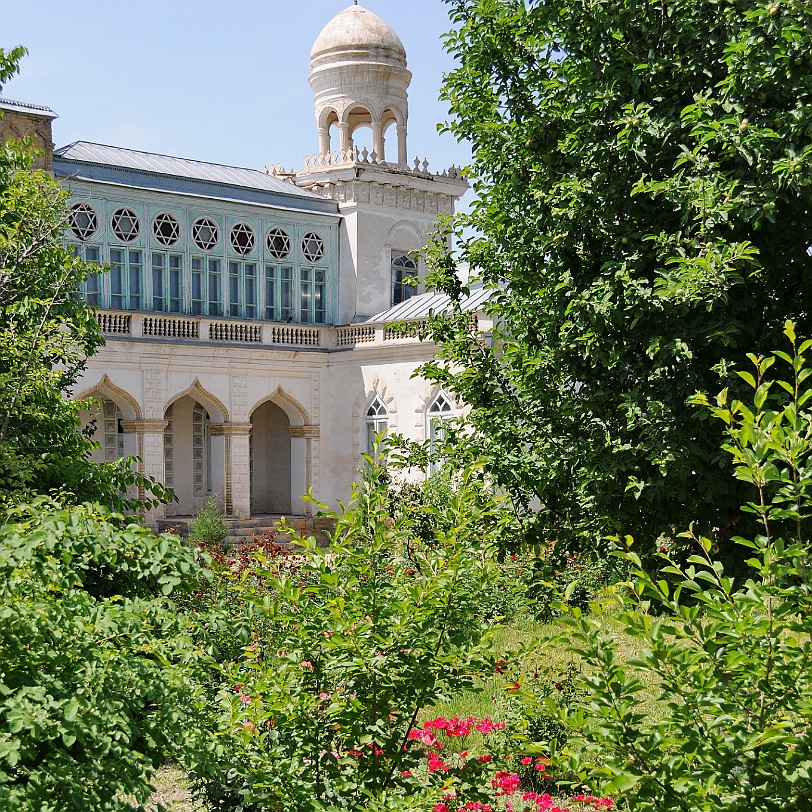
[(359, 78)]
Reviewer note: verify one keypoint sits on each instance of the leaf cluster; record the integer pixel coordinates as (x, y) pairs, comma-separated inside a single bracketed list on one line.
[(728, 660)]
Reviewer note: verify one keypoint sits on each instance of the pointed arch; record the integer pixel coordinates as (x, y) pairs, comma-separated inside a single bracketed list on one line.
[(366, 397), (297, 414), (130, 408), (212, 403), (405, 236), (425, 404)]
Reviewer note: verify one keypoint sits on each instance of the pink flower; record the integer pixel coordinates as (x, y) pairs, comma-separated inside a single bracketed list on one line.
[(440, 808), (245, 699), (248, 726), (436, 764), (505, 783), (306, 664), (527, 760), (487, 726), (323, 695)]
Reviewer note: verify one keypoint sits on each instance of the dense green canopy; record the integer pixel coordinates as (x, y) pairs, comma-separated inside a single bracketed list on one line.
[(643, 173)]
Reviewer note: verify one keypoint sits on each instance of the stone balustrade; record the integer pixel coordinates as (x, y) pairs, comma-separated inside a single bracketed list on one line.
[(199, 330)]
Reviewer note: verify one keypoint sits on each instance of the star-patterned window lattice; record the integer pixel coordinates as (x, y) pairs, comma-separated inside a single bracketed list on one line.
[(242, 238), (278, 243), (205, 233), (312, 247), (125, 224), (166, 229), (83, 220)]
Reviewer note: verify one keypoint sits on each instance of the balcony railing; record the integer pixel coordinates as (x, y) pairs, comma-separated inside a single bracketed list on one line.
[(194, 330)]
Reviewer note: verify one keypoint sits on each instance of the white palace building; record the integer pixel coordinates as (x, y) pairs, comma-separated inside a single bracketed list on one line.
[(245, 312)]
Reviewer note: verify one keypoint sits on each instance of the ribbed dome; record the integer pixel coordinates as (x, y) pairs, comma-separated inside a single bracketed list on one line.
[(356, 32)]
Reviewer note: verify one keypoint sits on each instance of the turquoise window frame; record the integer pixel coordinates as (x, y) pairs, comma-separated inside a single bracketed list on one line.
[(91, 288), (313, 295), (279, 292), (126, 279), (243, 289), (207, 288), (167, 277)]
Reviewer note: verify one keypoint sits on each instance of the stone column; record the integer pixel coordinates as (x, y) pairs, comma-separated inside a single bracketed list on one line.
[(377, 140), (403, 157), (324, 141), (149, 446), (309, 436), (237, 493), (344, 140)]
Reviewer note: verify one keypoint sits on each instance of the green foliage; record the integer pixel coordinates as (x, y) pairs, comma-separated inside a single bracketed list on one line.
[(46, 333), (729, 660), (644, 181), (96, 664), (349, 645), (209, 526)]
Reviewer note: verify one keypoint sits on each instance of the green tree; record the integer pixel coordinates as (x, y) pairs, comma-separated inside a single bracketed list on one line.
[(47, 331), (644, 182)]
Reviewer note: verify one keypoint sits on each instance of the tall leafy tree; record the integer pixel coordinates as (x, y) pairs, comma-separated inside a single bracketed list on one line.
[(46, 333), (644, 183)]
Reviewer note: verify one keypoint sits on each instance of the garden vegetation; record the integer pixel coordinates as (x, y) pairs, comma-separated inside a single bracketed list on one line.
[(644, 221)]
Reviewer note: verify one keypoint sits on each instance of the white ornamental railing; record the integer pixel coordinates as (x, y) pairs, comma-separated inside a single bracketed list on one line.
[(201, 330)]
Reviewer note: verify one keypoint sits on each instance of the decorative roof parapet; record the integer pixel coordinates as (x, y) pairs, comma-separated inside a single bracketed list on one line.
[(362, 158)]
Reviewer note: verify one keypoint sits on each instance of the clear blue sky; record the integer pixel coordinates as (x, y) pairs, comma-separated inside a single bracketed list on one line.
[(223, 82)]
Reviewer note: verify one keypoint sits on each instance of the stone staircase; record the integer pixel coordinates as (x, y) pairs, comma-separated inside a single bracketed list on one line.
[(241, 531)]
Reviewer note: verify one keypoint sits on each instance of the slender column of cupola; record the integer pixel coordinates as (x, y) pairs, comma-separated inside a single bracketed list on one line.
[(403, 155), (345, 141), (377, 140), (324, 140)]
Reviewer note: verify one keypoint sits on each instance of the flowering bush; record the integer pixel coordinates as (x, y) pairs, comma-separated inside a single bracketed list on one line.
[(345, 649), (486, 779)]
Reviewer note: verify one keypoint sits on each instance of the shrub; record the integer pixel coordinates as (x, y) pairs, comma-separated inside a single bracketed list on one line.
[(729, 660), (96, 664), (209, 526)]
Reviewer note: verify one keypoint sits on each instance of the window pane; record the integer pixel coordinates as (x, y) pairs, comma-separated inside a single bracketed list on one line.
[(271, 302), (215, 298), (286, 294), (157, 281), (250, 290), (175, 290), (136, 285), (117, 279)]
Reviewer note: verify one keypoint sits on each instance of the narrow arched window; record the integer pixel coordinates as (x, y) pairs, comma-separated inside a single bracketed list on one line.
[(404, 270), (440, 409), (376, 422)]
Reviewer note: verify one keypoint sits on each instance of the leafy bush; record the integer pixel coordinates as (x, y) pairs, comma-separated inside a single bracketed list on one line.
[(96, 664), (728, 661), (209, 526)]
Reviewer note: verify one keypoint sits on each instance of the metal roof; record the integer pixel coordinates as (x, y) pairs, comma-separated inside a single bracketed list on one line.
[(89, 161), (24, 107), (427, 304)]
